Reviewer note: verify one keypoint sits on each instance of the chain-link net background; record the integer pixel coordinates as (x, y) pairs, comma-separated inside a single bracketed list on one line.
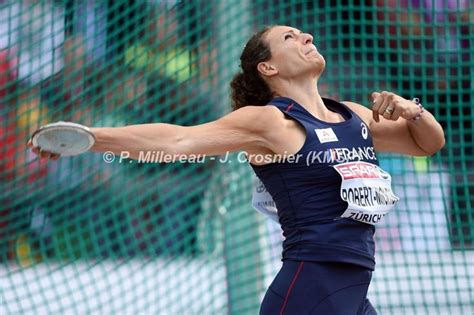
[(84, 236)]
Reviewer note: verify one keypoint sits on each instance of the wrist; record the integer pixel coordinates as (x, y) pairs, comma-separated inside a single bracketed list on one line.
[(420, 109), (100, 138)]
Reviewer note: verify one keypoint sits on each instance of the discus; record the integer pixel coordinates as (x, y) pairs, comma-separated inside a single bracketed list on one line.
[(64, 138)]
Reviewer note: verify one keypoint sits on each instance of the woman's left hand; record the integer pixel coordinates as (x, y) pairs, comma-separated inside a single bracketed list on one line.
[(391, 107)]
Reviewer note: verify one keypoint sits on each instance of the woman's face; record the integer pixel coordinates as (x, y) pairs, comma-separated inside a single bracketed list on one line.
[(293, 53)]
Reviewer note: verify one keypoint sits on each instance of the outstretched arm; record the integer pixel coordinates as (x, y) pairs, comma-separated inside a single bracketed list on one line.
[(396, 131), (239, 130)]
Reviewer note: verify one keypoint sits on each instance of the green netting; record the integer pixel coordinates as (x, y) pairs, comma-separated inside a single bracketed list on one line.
[(84, 236)]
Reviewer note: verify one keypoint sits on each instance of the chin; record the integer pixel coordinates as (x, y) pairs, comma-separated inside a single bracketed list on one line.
[(322, 60), (319, 65)]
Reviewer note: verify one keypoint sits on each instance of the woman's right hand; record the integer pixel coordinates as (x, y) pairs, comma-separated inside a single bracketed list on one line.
[(43, 154)]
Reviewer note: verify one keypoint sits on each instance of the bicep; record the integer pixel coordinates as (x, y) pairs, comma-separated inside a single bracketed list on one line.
[(213, 138), (388, 135), (236, 131)]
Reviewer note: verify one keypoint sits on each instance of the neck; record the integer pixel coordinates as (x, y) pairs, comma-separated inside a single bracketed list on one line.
[(304, 93)]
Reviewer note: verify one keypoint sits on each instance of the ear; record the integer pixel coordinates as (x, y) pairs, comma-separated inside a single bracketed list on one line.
[(267, 69)]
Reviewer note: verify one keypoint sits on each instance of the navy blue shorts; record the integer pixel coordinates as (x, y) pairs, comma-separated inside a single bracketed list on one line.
[(319, 288)]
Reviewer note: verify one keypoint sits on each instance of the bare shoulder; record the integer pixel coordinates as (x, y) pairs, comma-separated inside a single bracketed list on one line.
[(278, 132), (363, 112), (258, 118), (255, 112)]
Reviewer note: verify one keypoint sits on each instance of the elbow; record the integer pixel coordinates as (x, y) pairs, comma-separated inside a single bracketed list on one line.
[(441, 141), (437, 144)]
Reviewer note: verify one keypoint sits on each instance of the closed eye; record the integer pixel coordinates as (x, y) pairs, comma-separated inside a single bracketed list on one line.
[(291, 34)]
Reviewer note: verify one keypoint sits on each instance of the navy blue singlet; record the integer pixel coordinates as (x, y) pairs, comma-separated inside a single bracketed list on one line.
[(307, 192)]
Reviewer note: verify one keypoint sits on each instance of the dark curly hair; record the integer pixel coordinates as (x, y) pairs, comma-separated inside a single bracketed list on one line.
[(248, 87)]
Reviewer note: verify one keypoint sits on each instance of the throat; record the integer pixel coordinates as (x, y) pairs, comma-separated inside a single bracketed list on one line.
[(328, 115)]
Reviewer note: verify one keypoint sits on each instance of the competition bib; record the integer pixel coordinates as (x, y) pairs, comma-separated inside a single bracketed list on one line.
[(367, 190), (263, 202), (365, 187)]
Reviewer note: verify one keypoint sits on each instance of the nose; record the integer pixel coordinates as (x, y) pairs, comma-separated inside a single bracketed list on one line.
[(307, 38)]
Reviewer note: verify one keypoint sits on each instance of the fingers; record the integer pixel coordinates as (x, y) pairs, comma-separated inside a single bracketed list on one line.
[(385, 104), (44, 154), (381, 102), (54, 157), (386, 109), (36, 150), (375, 95), (375, 106), (396, 113), (48, 155)]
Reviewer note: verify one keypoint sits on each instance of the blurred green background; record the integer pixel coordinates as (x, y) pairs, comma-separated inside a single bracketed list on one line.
[(84, 236)]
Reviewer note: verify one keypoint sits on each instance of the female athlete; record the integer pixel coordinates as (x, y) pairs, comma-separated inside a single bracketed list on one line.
[(331, 197)]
